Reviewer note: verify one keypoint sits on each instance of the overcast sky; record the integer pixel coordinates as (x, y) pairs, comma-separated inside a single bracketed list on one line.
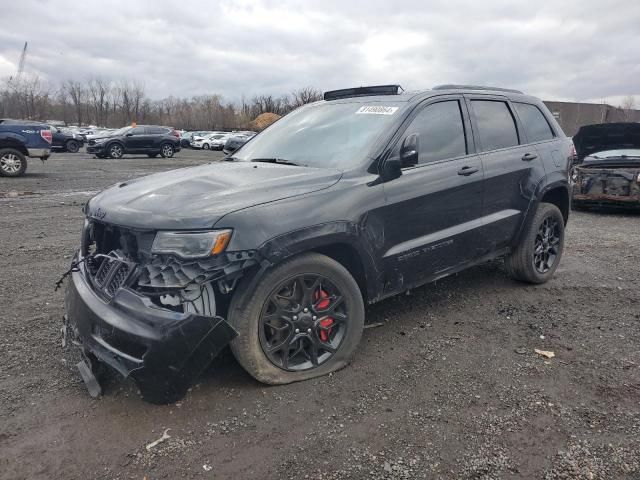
[(558, 50)]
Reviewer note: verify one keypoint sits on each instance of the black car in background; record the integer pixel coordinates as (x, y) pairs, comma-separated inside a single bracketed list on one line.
[(235, 142), (151, 140), (65, 141)]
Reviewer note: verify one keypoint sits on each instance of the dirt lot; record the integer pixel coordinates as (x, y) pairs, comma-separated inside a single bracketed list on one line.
[(448, 387)]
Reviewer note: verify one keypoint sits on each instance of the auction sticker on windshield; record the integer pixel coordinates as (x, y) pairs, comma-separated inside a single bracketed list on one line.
[(377, 110)]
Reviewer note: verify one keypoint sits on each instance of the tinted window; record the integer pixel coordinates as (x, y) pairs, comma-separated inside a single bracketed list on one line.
[(440, 130), (158, 130), (535, 125), (496, 126), (136, 131)]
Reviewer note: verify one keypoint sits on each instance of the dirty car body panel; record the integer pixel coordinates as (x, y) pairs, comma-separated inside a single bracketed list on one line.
[(393, 228)]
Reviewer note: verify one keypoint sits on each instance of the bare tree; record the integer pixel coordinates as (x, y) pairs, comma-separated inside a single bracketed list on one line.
[(305, 95), (628, 108), (78, 95)]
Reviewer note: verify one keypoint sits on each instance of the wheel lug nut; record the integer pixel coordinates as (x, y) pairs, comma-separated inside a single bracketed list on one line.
[(297, 330), (295, 317), (306, 310), (314, 317), (309, 331)]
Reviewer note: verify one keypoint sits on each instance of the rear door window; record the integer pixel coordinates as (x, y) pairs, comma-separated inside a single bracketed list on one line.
[(441, 132), (535, 125), (156, 130), (495, 124)]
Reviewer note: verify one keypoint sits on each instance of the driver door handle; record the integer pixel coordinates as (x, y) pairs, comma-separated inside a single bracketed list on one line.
[(466, 171), (527, 157)]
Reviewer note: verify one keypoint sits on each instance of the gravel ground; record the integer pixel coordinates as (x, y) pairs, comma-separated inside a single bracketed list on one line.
[(448, 387)]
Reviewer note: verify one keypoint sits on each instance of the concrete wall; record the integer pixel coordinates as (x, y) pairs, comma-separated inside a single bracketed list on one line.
[(572, 115)]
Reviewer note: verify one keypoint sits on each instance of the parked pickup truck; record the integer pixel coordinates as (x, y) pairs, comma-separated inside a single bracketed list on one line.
[(20, 139)]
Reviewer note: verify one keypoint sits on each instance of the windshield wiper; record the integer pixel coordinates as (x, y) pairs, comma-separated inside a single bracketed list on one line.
[(281, 161)]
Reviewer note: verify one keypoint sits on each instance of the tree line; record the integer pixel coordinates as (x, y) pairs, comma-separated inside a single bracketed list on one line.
[(111, 103)]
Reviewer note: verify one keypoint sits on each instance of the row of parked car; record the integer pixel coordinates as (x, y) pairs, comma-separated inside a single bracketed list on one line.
[(71, 139), (226, 141)]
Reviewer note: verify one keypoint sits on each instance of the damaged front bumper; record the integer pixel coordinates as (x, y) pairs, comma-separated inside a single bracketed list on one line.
[(619, 187), (136, 337)]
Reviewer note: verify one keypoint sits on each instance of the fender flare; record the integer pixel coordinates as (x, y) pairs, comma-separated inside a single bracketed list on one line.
[(546, 184), (282, 247)]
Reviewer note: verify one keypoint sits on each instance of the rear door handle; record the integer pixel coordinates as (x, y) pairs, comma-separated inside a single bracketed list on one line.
[(466, 171), (527, 157)]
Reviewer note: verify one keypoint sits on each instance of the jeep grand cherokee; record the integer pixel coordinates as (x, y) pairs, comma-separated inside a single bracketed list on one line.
[(343, 202)]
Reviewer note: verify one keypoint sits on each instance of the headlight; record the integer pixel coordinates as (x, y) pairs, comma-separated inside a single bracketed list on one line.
[(191, 244)]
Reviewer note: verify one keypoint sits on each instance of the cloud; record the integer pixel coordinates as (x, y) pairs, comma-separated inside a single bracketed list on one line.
[(572, 50)]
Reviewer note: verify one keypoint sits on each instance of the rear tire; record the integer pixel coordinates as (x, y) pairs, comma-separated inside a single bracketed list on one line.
[(249, 306), (72, 146), (528, 262), (12, 163), (167, 150)]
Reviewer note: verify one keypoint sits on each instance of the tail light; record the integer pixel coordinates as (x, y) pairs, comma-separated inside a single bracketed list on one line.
[(46, 134), (175, 133), (638, 178)]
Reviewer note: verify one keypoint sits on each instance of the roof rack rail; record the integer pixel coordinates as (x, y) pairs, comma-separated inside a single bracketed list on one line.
[(474, 87), (363, 91)]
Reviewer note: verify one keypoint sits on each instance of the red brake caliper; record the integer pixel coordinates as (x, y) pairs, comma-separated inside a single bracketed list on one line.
[(323, 302)]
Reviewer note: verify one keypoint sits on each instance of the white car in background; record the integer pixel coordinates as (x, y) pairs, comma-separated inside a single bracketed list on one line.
[(207, 142), (217, 140)]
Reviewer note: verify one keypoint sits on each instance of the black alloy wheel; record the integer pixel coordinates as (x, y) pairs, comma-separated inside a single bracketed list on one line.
[(303, 322), (547, 245)]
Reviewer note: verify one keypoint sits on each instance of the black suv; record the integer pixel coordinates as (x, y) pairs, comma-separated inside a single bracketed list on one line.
[(343, 202), (65, 141), (150, 139)]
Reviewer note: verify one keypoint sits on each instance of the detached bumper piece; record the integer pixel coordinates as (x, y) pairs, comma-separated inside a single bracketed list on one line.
[(163, 350)]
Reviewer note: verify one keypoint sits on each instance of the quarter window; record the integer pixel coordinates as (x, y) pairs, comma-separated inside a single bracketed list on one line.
[(534, 123), (440, 131), (496, 126)]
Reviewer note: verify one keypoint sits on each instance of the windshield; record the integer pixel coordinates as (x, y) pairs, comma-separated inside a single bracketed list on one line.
[(327, 135), (120, 131)]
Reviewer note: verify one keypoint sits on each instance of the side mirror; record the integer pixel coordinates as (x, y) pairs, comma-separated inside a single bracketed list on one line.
[(409, 151), (129, 135)]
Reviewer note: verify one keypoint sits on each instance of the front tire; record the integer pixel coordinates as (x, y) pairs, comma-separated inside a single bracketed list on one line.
[(167, 150), (205, 146), (538, 254), (12, 163), (72, 146), (116, 151), (289, 333)]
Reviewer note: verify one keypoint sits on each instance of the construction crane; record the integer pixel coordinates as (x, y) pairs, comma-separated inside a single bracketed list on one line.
[(23, 58)]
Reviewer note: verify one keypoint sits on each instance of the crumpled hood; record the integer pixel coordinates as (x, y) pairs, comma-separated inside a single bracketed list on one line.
[(197, 197), (606, 136)]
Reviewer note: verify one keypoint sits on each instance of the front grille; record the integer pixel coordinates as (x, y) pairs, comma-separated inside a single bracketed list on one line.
[(118, 279), (112, 274)]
